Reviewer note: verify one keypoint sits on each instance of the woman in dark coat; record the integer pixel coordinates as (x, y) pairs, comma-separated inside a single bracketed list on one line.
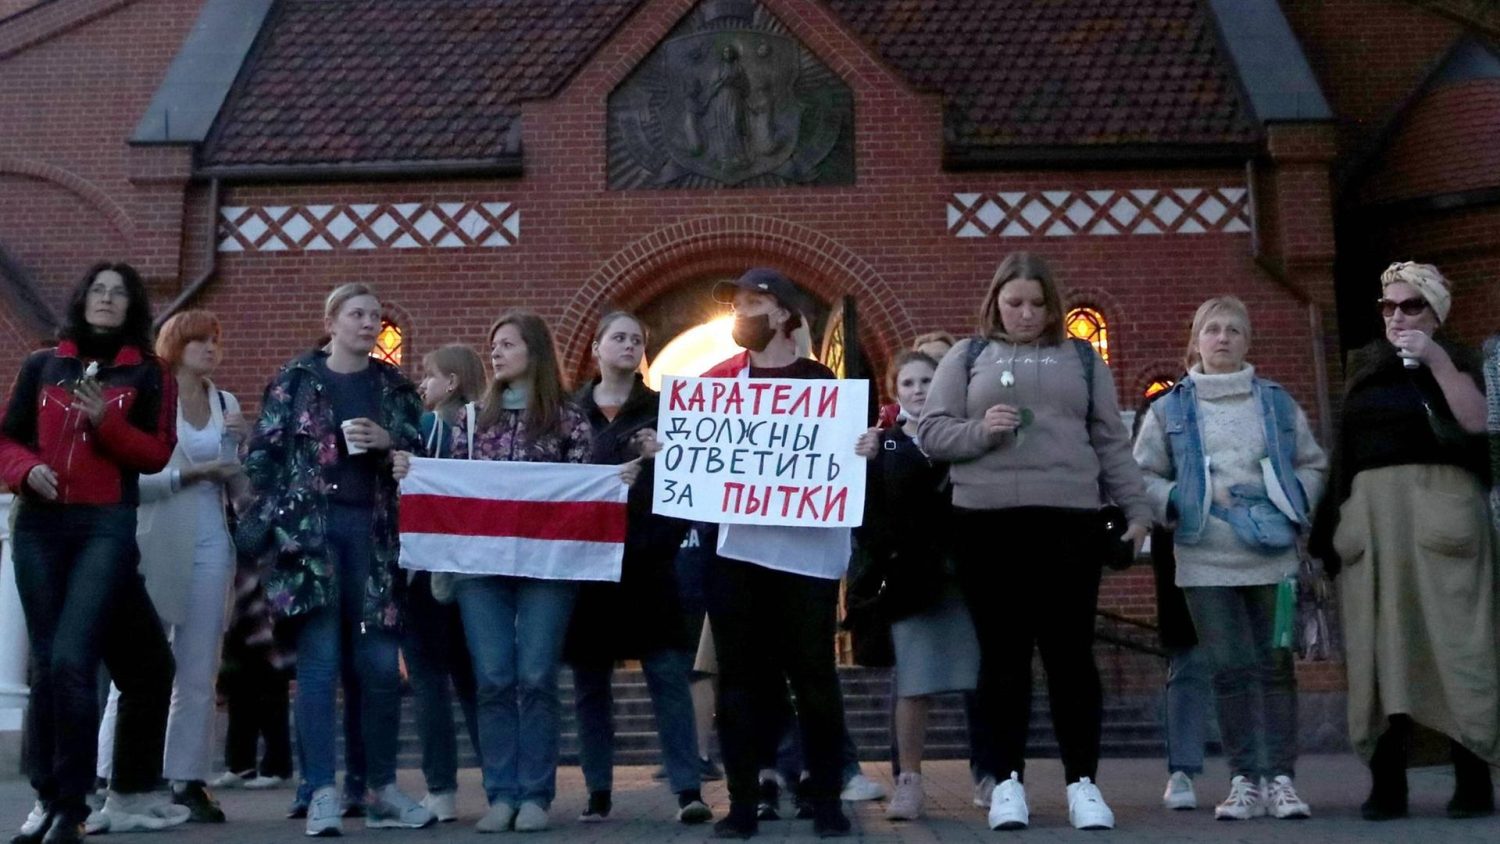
[(640, 617)]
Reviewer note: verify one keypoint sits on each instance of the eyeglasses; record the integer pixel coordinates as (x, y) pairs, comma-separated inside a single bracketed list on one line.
[(1410, 307)]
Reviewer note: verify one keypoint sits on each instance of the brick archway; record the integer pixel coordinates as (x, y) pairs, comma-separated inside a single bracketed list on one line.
[(80, 187), (693, 249)]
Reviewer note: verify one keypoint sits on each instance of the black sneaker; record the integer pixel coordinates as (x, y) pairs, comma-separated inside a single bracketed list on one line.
[(200, 802), (829, 820), (598, 808), (741, 822), (769, 807), (66, 826)]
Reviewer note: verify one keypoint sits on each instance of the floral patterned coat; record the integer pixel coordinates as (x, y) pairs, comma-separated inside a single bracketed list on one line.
[(294, 446)]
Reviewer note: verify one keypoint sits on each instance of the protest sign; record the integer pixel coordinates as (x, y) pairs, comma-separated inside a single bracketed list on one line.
[(761, 451)]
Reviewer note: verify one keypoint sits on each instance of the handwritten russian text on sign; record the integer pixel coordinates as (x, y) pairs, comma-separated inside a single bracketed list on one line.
[(761, 451)]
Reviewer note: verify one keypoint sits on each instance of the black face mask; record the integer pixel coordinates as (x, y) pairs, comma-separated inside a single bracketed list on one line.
[(753, 332)]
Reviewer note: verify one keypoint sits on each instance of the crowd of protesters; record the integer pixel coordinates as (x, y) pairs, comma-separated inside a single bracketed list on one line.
[(158, 533)]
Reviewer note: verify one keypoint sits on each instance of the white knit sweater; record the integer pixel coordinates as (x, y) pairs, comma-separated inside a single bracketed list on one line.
[(1234, 440)]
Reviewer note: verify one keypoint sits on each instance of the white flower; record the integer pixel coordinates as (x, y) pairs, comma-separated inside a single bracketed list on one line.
[(1007, 379), (92, 371)]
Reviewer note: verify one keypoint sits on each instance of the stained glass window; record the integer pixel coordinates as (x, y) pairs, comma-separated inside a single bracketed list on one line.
[(388, 342), (1088, 324)]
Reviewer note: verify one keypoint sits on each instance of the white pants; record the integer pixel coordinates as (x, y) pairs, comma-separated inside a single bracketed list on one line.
[(196, 645)]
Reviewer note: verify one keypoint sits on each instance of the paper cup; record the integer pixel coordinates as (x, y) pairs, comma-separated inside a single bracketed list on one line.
[(349, 446)]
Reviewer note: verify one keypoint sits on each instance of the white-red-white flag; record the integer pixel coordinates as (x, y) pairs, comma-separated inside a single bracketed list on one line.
[(555, 521)]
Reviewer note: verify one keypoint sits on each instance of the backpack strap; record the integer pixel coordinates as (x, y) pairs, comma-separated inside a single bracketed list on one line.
[(1086, 358)]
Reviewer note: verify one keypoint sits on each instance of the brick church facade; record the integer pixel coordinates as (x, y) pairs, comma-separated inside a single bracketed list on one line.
[(467, 156)]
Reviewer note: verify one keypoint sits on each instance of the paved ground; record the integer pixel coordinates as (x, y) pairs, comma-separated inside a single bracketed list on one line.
[(1334, 785)]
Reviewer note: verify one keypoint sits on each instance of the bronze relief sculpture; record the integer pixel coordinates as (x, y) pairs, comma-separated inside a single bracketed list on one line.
[(730, 99)]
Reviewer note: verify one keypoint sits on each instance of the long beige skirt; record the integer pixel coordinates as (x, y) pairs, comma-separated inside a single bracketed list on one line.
[(1419, 597)]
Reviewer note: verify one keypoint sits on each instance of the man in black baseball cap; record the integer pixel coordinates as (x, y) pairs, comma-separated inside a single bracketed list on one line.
[(759, 580), (768, 307)]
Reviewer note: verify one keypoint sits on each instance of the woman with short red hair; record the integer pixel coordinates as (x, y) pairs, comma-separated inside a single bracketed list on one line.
[(187, 558)]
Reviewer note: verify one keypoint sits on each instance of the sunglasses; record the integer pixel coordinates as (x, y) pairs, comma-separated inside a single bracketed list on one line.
[(1410, 307)]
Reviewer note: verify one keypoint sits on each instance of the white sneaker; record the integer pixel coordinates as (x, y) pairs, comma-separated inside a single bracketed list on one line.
[(1243, 802), (1281, 801), (1008, 805), (982, 790), (531, 817), (861, 788), (1086, 806), (96, 823), (264, 783), (34, 819), (1179, 794), (325, 813), (393, 808), (497, 819), (442, 804), (143, 812), (230, 779), (906, 802)]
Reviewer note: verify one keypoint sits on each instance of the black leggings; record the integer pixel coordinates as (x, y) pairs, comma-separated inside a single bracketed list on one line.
[(1028, 589)]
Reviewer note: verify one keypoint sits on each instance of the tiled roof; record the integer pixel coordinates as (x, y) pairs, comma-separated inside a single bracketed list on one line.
[(340, 81), (359, 81), (1062, 73)]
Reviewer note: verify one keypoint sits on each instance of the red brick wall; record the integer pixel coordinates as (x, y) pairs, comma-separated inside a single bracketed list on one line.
[(1448, 142), (1368, 55), (75, 76)]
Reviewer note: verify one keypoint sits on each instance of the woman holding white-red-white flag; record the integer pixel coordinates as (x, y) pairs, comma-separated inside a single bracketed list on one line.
[(641, 616), (514, 622)]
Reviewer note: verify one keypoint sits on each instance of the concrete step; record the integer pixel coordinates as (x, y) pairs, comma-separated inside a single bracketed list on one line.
[(1131, 728)]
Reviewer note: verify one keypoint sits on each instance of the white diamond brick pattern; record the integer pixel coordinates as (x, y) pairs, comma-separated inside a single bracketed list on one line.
[(406, 225), (1139, 211)]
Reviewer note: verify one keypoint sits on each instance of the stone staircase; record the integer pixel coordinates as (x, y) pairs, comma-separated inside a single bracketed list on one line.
[(1131, 722)]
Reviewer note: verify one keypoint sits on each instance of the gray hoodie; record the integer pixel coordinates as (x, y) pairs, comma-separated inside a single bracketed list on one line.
[(1058, 459)]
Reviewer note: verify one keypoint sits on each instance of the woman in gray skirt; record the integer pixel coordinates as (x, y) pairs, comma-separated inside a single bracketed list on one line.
[(907, 503)]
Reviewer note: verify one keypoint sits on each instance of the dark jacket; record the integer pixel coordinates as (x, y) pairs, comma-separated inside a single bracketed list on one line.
[(289, 463), (904, 538), (643, 612), (1394, 416), (94, 464)]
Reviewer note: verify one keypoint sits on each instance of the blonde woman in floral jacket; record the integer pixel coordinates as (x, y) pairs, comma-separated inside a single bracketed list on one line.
[(319, 462)]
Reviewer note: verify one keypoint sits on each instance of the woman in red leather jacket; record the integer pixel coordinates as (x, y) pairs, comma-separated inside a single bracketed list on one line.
[(84, 420)]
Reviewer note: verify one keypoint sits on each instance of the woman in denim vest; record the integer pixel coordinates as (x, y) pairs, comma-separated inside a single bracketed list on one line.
[(1406, 527), (1230, 462)]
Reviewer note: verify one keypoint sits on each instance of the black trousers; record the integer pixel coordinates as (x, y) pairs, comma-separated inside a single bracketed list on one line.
[(257, 696), (771, 629), (1032, 583), (85, 603)]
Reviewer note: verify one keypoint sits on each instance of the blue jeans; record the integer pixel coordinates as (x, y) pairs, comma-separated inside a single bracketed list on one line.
[(1189, 697), (1255, 685), (515, 627), (437, 655), (320, 641), (666, 673)]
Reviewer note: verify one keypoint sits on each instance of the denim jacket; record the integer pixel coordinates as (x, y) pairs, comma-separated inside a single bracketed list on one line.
[(1178, 413)]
